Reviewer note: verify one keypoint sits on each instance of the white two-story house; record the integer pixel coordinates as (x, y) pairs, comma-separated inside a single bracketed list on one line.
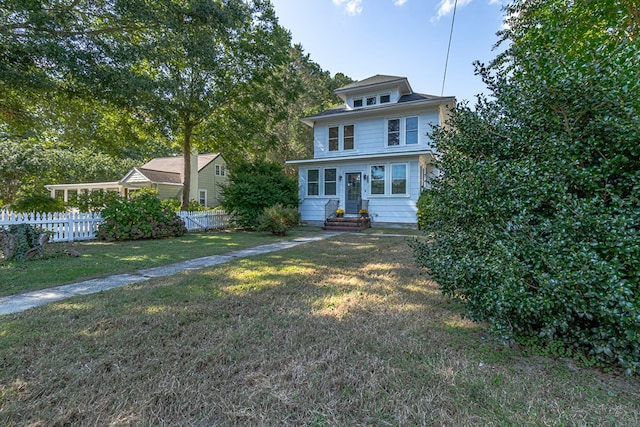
[(371, 153)]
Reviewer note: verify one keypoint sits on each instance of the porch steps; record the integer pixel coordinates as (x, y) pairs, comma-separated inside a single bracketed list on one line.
[(346, 224)]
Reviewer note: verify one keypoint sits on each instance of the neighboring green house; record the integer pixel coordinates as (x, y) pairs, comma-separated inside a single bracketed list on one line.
[(165, 174)]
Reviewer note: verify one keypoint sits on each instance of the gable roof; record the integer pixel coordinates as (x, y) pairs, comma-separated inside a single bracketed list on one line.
[(176, 164), (412, 99), (373, 83), (161, 176)]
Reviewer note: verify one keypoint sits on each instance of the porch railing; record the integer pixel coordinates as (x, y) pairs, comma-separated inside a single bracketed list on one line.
[(330, 208)]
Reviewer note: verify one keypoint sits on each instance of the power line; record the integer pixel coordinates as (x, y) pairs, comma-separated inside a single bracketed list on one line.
[(446, 62)]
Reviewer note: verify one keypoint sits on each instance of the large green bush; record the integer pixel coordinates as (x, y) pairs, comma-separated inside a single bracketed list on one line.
[(140, 218), (255, 186), (535, 221)]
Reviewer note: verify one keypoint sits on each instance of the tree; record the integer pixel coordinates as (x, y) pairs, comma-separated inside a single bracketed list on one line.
[(200, 61), (534, 221), (255, 186), (313, 89), (181, 66)]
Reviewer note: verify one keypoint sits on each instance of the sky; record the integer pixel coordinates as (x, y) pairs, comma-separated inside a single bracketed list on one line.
[(407, 38)]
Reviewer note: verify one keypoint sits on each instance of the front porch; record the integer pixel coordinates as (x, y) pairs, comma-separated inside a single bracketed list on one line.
[(354, 224)]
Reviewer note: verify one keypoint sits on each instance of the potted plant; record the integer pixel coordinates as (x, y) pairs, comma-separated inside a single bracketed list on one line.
[(339, 212), (363, 213)]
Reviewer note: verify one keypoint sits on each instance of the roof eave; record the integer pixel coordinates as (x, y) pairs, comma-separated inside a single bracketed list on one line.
[(371, 156), (311, 120)]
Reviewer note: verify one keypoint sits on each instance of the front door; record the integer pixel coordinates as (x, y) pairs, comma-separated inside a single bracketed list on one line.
[(353, 193)]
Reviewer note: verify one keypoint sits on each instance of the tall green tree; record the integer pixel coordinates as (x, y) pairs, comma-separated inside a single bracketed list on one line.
[(200, 62), (203, 73), (534, 220), (314, 89)]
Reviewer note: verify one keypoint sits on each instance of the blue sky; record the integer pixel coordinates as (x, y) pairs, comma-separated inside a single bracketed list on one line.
[(409, 38)]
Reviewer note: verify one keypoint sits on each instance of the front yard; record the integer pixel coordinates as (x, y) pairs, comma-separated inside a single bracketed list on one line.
[(345, 331)]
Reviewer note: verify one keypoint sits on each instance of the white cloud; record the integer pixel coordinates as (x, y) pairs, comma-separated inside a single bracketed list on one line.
[(352, 7), (399, 2), (445, 7)]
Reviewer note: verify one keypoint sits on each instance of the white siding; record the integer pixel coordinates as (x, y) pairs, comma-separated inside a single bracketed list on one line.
[(169, 191), (137, 177), (371, 134), (395, 209)]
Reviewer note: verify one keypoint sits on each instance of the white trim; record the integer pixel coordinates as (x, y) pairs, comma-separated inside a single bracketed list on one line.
[(372, 156), (402, 131), (357, 113), (388, 180), (200, 191)]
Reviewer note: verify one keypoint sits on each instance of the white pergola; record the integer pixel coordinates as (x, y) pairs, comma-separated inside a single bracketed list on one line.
[(86, 187)]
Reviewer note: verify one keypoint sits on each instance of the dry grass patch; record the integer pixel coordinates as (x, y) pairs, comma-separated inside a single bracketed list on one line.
[(339, 332)]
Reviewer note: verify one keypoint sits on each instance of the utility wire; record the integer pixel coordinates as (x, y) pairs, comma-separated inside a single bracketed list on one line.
[(446, 62)]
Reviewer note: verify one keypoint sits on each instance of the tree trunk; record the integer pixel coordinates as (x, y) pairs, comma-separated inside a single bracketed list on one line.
[(186, 153)]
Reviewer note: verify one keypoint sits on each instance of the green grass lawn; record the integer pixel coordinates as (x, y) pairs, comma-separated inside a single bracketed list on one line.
[(97, 259), (340, 332)]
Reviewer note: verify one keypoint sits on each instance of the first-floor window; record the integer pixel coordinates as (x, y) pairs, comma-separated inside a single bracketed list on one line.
[(330, 182), (202, 197), (377, 179), (312, 182), (399, 179)]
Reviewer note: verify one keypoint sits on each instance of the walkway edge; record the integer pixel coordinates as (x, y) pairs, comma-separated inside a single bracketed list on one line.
[(21, 302)]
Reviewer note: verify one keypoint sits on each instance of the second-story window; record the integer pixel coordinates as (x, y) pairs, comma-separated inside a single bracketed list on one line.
[(384, 99), (357, 103), (393, 132), (348, 137), (411, 130), (333, 138), (372, 100)]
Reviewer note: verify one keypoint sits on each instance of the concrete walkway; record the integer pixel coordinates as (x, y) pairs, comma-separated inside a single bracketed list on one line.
[(18, 303)]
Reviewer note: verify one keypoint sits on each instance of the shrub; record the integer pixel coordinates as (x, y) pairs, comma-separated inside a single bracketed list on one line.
[(172, 204), (38, 203), (194, 206), (278, 219), (534, 221), (140, 218), (255, 186), (422, 205)]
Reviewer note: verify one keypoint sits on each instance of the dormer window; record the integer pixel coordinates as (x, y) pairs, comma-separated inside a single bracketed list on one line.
[(372, 100), (385, 99), (357, 103)]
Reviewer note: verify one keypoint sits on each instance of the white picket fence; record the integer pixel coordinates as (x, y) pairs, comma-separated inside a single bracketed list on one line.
[(204, 220), (62, 226), (75, 226)]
